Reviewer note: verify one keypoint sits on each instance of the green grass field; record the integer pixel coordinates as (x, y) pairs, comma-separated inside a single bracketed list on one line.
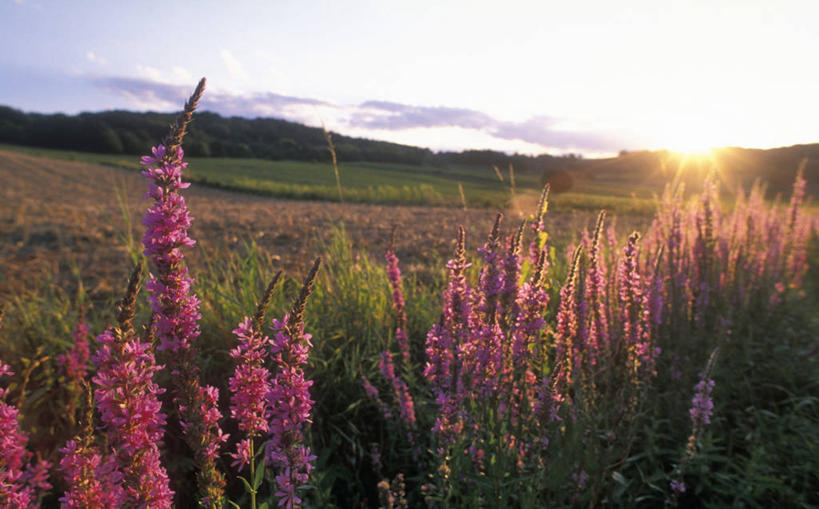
[(383, 183)]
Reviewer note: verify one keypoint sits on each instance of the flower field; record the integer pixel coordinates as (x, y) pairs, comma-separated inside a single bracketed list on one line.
[(668, 360)]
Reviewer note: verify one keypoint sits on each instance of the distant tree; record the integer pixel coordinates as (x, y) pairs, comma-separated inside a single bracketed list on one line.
[(106, 139), (560, 181), (238, 149), (11, 132), (132, 143), (196, 148), (218, 148)]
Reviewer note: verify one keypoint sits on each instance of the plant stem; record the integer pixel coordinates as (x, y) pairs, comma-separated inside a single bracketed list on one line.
[(252, 475)]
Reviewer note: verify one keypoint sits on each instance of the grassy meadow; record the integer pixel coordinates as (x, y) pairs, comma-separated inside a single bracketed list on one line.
[(720, 288), (384, 183)]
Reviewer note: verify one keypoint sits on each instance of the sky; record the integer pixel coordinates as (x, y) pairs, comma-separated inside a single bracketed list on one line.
[(590, 77)]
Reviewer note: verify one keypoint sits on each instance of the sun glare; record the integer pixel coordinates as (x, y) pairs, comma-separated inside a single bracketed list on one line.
[(693, 143)]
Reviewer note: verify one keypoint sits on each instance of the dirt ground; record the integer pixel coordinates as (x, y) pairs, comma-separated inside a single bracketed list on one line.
[(62, 219)]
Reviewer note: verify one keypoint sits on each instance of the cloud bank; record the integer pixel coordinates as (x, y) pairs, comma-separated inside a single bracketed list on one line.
[(372, 118)]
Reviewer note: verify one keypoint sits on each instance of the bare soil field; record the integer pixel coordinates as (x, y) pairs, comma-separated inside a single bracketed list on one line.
[(62, 219)]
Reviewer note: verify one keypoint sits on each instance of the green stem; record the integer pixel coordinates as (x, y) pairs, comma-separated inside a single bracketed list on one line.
[(252, 475)]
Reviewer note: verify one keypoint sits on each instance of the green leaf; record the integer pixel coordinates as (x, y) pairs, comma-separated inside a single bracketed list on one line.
[(248, 488), (618, 477), (259, 476), (264, 505)]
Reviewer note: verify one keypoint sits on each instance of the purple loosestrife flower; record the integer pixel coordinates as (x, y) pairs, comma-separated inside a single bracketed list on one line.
[(75, 362), (249, 385), (93, 481), (799, 229), (21, 483), (373, 394), (289, 410), (440, 358), (288, 400), (75, 365), (538, 227), (528, 350), (401, 394), (549, 399), (403, 398), (489, 361), (533, 302), (702, 406), (596, 296), (456, 318), (399, 493), (706, 221), (797, 197), (176, 313), (566, 333), (394, 275), (444, 345), (127, 399), (634, 310), (457, 297), (492, 277), (449, 423), (511, 275)]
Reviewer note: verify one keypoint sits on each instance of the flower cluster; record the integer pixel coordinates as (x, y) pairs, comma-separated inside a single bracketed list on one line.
[(394, 275), (406, 407), (176, 313), (21, 483), (128, 401), (289, 406), (400, 391), (702, 406), (249, 386), (75, 362), (92, 480)]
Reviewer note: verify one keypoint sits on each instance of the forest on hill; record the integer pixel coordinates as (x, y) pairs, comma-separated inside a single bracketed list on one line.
[(212, 135)]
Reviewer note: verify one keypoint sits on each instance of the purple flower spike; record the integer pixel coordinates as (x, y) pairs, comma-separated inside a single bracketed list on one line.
[(21, 483), (289, 406), (128, 402), (93, 481), (76, 360), (176, 313), (394, 275), (250, 381), (702, 406)]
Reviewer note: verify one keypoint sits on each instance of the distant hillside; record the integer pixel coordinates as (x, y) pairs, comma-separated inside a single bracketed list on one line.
[(211, 135), (635, 173), (646, 171)]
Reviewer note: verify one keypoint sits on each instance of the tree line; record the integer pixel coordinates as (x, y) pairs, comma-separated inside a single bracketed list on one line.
[(212, 135)]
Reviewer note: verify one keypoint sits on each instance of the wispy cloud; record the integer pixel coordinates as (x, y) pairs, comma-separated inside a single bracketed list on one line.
[(94, 58), (165, 96), (546, 131), (389, 115), (148, 73), (370, 118), (234, 67), (540, 130), (181, 74), (144, 94)]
